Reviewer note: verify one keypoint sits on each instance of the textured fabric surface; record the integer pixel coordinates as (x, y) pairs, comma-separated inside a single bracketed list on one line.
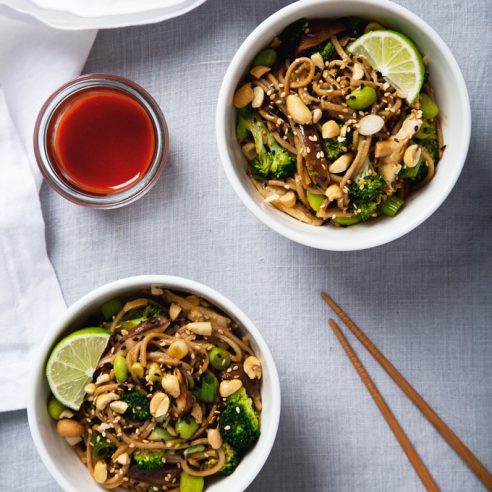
[(29, 289), (425, 299)]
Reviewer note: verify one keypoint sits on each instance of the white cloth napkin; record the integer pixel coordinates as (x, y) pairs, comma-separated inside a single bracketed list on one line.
[(34, 61)]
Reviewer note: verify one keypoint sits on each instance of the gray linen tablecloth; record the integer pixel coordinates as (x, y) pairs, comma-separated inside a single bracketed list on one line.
[(425, 299)]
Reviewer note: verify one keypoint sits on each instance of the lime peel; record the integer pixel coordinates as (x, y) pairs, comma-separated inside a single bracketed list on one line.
[(396, 57), (72, 363)]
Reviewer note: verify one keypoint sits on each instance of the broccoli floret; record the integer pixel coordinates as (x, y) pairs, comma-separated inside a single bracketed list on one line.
[(136, 316), (290, 37), (148, 460), (138, 405), (239, 423), (334, 147), (325, 49), (365, 210), (271, 160), (366, 192), (367, 188), (232, 460), (101, 447)]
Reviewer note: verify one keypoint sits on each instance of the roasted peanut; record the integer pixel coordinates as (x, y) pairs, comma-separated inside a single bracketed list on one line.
[(69, 428), (252, 367), (227, 388)]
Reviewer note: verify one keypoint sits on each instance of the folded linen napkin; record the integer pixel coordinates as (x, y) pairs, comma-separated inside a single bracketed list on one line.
[(34, 61)]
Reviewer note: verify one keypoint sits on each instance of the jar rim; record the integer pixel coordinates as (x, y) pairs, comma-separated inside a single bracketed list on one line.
[(49, 171)]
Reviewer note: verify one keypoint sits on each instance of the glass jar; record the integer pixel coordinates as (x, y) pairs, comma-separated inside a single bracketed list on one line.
[(58, 140)]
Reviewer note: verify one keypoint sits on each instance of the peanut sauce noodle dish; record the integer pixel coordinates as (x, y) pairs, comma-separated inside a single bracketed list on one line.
[(343, 125), (154, 383)]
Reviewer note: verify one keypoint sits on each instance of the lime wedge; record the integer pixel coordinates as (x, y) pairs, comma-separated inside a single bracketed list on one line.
[(395, 57), (72, 363)]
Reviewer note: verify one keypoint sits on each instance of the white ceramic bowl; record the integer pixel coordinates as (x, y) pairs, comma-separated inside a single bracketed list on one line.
[(451, 95), (63, 463)]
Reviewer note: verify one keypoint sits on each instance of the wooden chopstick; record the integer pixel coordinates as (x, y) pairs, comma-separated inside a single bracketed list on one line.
[(450, 437), (385, 410)]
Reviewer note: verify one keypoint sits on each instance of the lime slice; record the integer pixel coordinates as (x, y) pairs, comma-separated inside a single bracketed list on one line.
[(396, 57), (72, 363)]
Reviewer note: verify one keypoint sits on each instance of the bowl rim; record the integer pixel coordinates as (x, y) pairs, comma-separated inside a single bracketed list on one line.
[(271, 220), (243, 480)]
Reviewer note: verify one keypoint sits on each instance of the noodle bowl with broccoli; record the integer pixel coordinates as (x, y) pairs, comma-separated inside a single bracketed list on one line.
[(338, 122), (172, 398)]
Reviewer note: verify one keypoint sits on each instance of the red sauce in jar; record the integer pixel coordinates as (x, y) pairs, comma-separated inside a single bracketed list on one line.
[(101, 140)]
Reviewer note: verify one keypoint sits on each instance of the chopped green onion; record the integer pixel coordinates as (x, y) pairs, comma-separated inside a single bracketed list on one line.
[(208, 391), (120, 369), (186, 427), (219, 358), (392, 206), (188, 483), (111, 308), (346, 221), (315, 200), (411, 172), (429, 108), (160, 434), (55, 408), (194, 449), (265, 58)]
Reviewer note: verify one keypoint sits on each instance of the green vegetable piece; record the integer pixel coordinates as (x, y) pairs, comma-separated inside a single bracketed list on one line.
[(346, 221), (272, 160), (111, 308), (333, 147), (154, 372), (366, 192), (101, 447), (149, 460), (137, 316), (432, 146), (362, 98), (265, 58), (188, 483), (243, 115), (160, 434), (232, 460), (429, 108), (315, 200), (208, 390), (414, 172), (427, 131), (194, 449), (392, 206), (219, 358), (120, 369), (138, 405), (55, 408), (186, 427), (327, 51), (239, 423)]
